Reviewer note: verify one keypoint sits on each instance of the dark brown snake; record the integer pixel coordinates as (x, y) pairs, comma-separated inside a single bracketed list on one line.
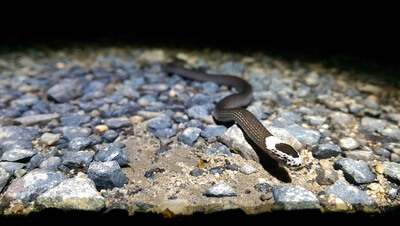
[(231, 108)]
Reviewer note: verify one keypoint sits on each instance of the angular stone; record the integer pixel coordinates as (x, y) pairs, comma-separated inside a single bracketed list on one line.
[(327, 150), (348, 193), (213, 131), (294, 197), (34, 119), (220, 190), (189, 135), (112, 152), (248, 169), (4, 176), (356, 172), (348, 143), (77, 159), (304, 135), (115, 123), (392, 172), (49, 139), (107, 175), (373, 124)]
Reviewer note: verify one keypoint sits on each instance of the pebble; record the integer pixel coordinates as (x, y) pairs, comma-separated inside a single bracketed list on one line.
[(391, 131), (161, 150), (392, 172), (71, 132), (106, 175), (74, 120), (326, 150), (381, 152), (342, 119), (17, 152), (266, 196), (136, 119), (166, 132), (151, 172), (101, 128), (65, 90), (304, 135), (220, 189), (209, 87), (356, 172), (199, 99), (213, 131), (195, 172), (258, 110), (326, 177), (315, 120), (33, 184), (112, 152), (17, 133), (194, 123), (51, 163), (262, 187), (294, 197), (35, 119), (79, 143), (395, 157), (365, 155), (78, 193), (373, 124), (348, 143), (348, 193), (248, 169), (160, 122), (217, 149), (355, 107), (4, 177), (110, 135), (218, 169), (198, 111), (10, 167), (79, 159), (49, 139), (115, 123), (189, 135)]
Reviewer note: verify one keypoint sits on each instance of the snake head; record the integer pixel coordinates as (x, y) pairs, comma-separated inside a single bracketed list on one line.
[(283, 152)]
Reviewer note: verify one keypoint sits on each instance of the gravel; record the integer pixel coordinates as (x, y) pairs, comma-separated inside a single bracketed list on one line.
[(348, 143), (294, 198), (106, 175), (220, 190), (348, 193), (189, 135), (356, 172), (327, 150)]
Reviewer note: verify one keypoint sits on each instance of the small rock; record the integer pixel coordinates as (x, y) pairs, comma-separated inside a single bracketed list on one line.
[(10, 167), (356, 172), (190, 135), (19, 173), (248, 169), (17, 133), (263, 187), (4, 177), (160, 122), (312, 79), (213, 131), (218, 169), (348, 143), (294, 197), (49, 139), (78, 193), (17, 152), (232, 167), (391, 131), (195, 172), (395, 157), (71, 132), (373, 124), (79, 143), (74, 120), (101, 128), (348, 193), (209, 87), (194, 123), (371, 102), (198, 111), (35, 119), (342, 119), (217, 149), (304, 135), (33, 184), (315, 120), (151, 172), (355, 107), (50, 164), (326, 177), (327, 150), (106, 175), (65, 90), (161, 150), (381, 152), (110, 135), (266, 196), (365, 155), (166, 132), (258, 110), (220, 190), (392, 172), (136, 119), (77, 159), (112, 152), (115, 123)]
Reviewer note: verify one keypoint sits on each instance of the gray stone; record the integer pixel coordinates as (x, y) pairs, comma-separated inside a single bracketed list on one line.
[(33, 184), (395, 157), (50, 163), (16, 133), (371, 103), (373, 124), (213, 131), (327, 150), (262, 187), (381, 152), (248, 169), (166, 132), (392, 172), (209, 87), (391, 131), (217, 149), (258, 110), (4, 177), (10, 167), (195, 172), (326, 177), (107, 175), (198, 111), (190, 135), (74, 120), (65, 90), (217, 169), (220, 190), (19, 173), (394, 117), (348, 193), (315, 119), (194, 123), (112, 152), (356, 172), (78, 193), (79, 143), (17, 152), (71, 132), (77, 159), (294, 198), (393, 147), (115, 123), (160, 122), (304, 135), (355, 107), (348, 143), (365, 155), (49, 139), (34, 119), (341, 119), (199, 99), (110, 135)]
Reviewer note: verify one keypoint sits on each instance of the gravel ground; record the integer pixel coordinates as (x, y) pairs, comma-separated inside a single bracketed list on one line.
[(103, 128)]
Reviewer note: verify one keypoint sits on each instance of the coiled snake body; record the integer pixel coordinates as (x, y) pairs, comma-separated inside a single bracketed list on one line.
[(230, 109)]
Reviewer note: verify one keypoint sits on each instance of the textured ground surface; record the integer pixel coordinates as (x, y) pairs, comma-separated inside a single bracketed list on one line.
[(100, 129)]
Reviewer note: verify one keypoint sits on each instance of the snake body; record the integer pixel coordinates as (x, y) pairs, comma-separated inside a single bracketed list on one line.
[(231, 108)]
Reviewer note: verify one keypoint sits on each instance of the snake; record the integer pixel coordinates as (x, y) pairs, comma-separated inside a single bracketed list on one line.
[(231, 108)]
